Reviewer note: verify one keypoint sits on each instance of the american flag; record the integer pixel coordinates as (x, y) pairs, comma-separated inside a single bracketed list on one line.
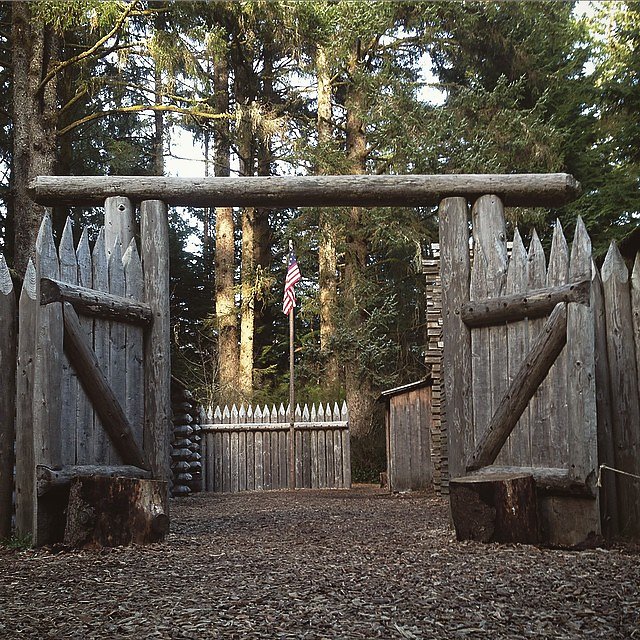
[(293, 276)]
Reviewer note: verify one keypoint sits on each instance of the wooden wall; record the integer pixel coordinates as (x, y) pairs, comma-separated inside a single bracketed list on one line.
[(585, 411), (247, 449), (408, 423)]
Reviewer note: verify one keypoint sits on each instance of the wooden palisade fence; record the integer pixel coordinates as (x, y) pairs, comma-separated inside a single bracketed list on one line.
[(248, 449), (532, 355), (93, 395)]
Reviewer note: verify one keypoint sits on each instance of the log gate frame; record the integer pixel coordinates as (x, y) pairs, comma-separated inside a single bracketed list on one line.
[(450, 192)]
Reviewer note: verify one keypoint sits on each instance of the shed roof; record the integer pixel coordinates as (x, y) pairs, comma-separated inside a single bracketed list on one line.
[(412, 386)]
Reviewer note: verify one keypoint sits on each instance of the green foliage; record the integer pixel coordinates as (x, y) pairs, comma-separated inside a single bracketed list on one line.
[(17, 542)]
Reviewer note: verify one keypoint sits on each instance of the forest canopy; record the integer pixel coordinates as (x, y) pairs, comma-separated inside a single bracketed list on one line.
[(277, 87)]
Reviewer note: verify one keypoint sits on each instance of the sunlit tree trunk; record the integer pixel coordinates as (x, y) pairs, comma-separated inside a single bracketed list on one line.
[(245, 148), (327, 239), (262, 229), (226, 311), (358, 386)]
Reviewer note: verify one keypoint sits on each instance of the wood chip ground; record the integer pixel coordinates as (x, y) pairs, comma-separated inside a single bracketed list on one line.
[(310, 564)]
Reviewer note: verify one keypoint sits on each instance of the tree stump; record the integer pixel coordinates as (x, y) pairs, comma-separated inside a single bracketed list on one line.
[(500, 507), (108, 512)]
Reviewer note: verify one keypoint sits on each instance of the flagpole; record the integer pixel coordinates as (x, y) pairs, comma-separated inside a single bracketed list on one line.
[(292, 425)]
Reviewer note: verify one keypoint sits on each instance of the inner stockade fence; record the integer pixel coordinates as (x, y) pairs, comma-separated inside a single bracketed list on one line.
[(246, 449)]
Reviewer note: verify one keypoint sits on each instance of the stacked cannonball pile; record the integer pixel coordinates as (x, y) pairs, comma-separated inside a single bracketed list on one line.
[(185, 448)]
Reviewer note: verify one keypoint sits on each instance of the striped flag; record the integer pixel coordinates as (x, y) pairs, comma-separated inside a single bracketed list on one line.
[(293, 276)]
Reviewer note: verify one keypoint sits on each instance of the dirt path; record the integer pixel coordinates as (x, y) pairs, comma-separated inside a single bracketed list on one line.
[(357, 564)]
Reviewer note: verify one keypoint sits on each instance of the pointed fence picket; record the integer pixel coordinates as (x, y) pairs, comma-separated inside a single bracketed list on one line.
[(8, 333), (259, 460)]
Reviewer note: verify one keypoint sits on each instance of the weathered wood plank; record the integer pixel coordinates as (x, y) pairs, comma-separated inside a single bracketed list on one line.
[(119, 222), (25, 456), (488, 279), (103, 452), (533, 370), (582, 425), (518, 447), (97, 387), (557, 275), (535, 303), (70, 384), (85, 445), (117, 334), (330, 448), (134, 344), (47, 381), (157, 356), (624, 382), (539, 419), (8, 339), (606, 445), (455, 274), (529, 190), (97, 303)]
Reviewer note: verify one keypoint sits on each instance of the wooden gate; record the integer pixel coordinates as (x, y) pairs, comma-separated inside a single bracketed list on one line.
[(93, 383), (519, 361)]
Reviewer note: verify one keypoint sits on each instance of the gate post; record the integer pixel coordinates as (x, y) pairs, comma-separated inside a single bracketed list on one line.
[(455, 273), (157, 361)]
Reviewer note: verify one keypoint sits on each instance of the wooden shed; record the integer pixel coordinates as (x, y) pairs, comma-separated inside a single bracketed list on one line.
[(408, 427)]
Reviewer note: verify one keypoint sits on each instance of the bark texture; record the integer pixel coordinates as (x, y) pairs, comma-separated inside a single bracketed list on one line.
[(35, 50)]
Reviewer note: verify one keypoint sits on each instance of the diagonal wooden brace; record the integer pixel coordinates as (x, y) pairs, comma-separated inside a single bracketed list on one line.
[(99, 391), (532, 372)]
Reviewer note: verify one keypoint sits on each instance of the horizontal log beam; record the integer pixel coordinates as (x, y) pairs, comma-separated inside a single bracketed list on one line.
[(553, 481), (49, 479), (96, 303), (98, 390), (532, 304), (531, 373), (528, 190)]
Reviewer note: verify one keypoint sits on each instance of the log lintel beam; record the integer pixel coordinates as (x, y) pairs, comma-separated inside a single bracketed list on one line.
[(552, 189)]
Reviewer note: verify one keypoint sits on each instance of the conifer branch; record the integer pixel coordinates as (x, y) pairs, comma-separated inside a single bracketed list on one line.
[(85, 54), (137, 108)]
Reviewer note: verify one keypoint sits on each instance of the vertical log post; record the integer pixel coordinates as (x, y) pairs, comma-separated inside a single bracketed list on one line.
[(119, 222), (157, 362), (581, 365), (47, 390), (8, 337), (455, 273), (25, 466)]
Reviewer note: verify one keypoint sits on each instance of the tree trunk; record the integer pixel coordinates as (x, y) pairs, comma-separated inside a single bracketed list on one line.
[(263, 236), (35, 49), (358, 385), (327, 236), (226, 312), (244, 96)]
